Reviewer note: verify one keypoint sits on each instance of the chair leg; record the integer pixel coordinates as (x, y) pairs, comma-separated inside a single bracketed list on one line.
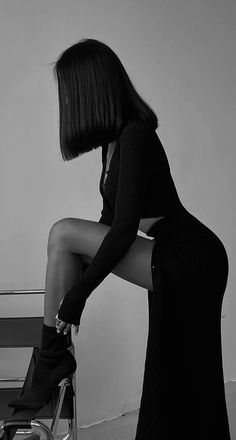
[(74, 419), (57, 411), (72, 423), (10, 426)]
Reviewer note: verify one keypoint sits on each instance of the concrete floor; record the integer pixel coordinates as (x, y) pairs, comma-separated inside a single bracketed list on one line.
[(120, 428), (124, 427)]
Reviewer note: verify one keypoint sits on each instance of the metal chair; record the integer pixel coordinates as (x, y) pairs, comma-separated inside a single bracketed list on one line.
[(26, 332)]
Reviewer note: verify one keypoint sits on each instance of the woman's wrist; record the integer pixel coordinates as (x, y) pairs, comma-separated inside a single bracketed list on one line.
[(71, 309)]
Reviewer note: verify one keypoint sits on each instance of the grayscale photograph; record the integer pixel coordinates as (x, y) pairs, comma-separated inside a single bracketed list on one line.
[(117, 225)]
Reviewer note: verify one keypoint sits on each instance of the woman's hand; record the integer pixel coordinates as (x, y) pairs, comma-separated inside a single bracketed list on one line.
[(63, 326), (71, 308)]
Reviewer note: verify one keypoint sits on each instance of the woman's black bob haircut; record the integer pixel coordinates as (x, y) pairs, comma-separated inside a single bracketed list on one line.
[(96, 98)]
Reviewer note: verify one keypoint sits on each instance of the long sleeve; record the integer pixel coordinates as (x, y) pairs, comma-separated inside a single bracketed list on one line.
[(131, 189), (105, 218)]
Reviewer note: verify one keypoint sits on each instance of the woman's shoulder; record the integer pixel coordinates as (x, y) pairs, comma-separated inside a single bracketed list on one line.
[(139, 123), (137, 127), (139, 132)]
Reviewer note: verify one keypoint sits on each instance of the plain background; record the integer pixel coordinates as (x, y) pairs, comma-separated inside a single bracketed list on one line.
[(180, 55)]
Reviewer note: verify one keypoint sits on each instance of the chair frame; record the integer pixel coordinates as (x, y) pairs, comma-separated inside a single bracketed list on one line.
[(22, 421)]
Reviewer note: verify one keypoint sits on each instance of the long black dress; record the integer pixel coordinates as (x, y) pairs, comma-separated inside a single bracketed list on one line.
[(183, 388), (183, 394)]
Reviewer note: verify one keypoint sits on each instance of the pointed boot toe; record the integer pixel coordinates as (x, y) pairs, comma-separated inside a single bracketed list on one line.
[(40, 394)]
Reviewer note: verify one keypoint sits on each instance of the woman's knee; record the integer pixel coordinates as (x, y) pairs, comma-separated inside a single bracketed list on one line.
[(57, 235)]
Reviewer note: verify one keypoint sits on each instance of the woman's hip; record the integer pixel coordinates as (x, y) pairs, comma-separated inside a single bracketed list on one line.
[(186, 249)]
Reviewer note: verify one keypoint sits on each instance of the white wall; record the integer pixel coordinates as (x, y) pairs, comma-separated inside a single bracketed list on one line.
[(181, 57)]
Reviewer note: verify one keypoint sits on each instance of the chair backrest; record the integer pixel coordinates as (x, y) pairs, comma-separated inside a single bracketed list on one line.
[(23, 331)]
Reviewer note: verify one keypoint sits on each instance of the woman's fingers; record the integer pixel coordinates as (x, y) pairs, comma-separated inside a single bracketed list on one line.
[(76, 329), (66, 328), (60, 325), (63, 326)]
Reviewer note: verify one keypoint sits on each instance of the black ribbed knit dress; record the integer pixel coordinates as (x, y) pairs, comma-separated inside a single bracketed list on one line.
[(183, 394)]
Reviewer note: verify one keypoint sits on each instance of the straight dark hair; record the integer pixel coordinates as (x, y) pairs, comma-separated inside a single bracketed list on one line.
[(96, 98)]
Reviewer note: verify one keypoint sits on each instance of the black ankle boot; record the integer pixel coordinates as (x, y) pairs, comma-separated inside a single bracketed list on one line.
[(54, 363)]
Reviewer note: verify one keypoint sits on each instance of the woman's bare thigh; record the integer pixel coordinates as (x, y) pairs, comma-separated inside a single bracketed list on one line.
[(84, 237)]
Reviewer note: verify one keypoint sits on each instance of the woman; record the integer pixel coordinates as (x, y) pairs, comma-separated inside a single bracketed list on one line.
[(184, 266)]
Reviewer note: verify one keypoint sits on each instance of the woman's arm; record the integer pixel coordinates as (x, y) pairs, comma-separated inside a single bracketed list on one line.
[(131, 192), (105, 217)]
